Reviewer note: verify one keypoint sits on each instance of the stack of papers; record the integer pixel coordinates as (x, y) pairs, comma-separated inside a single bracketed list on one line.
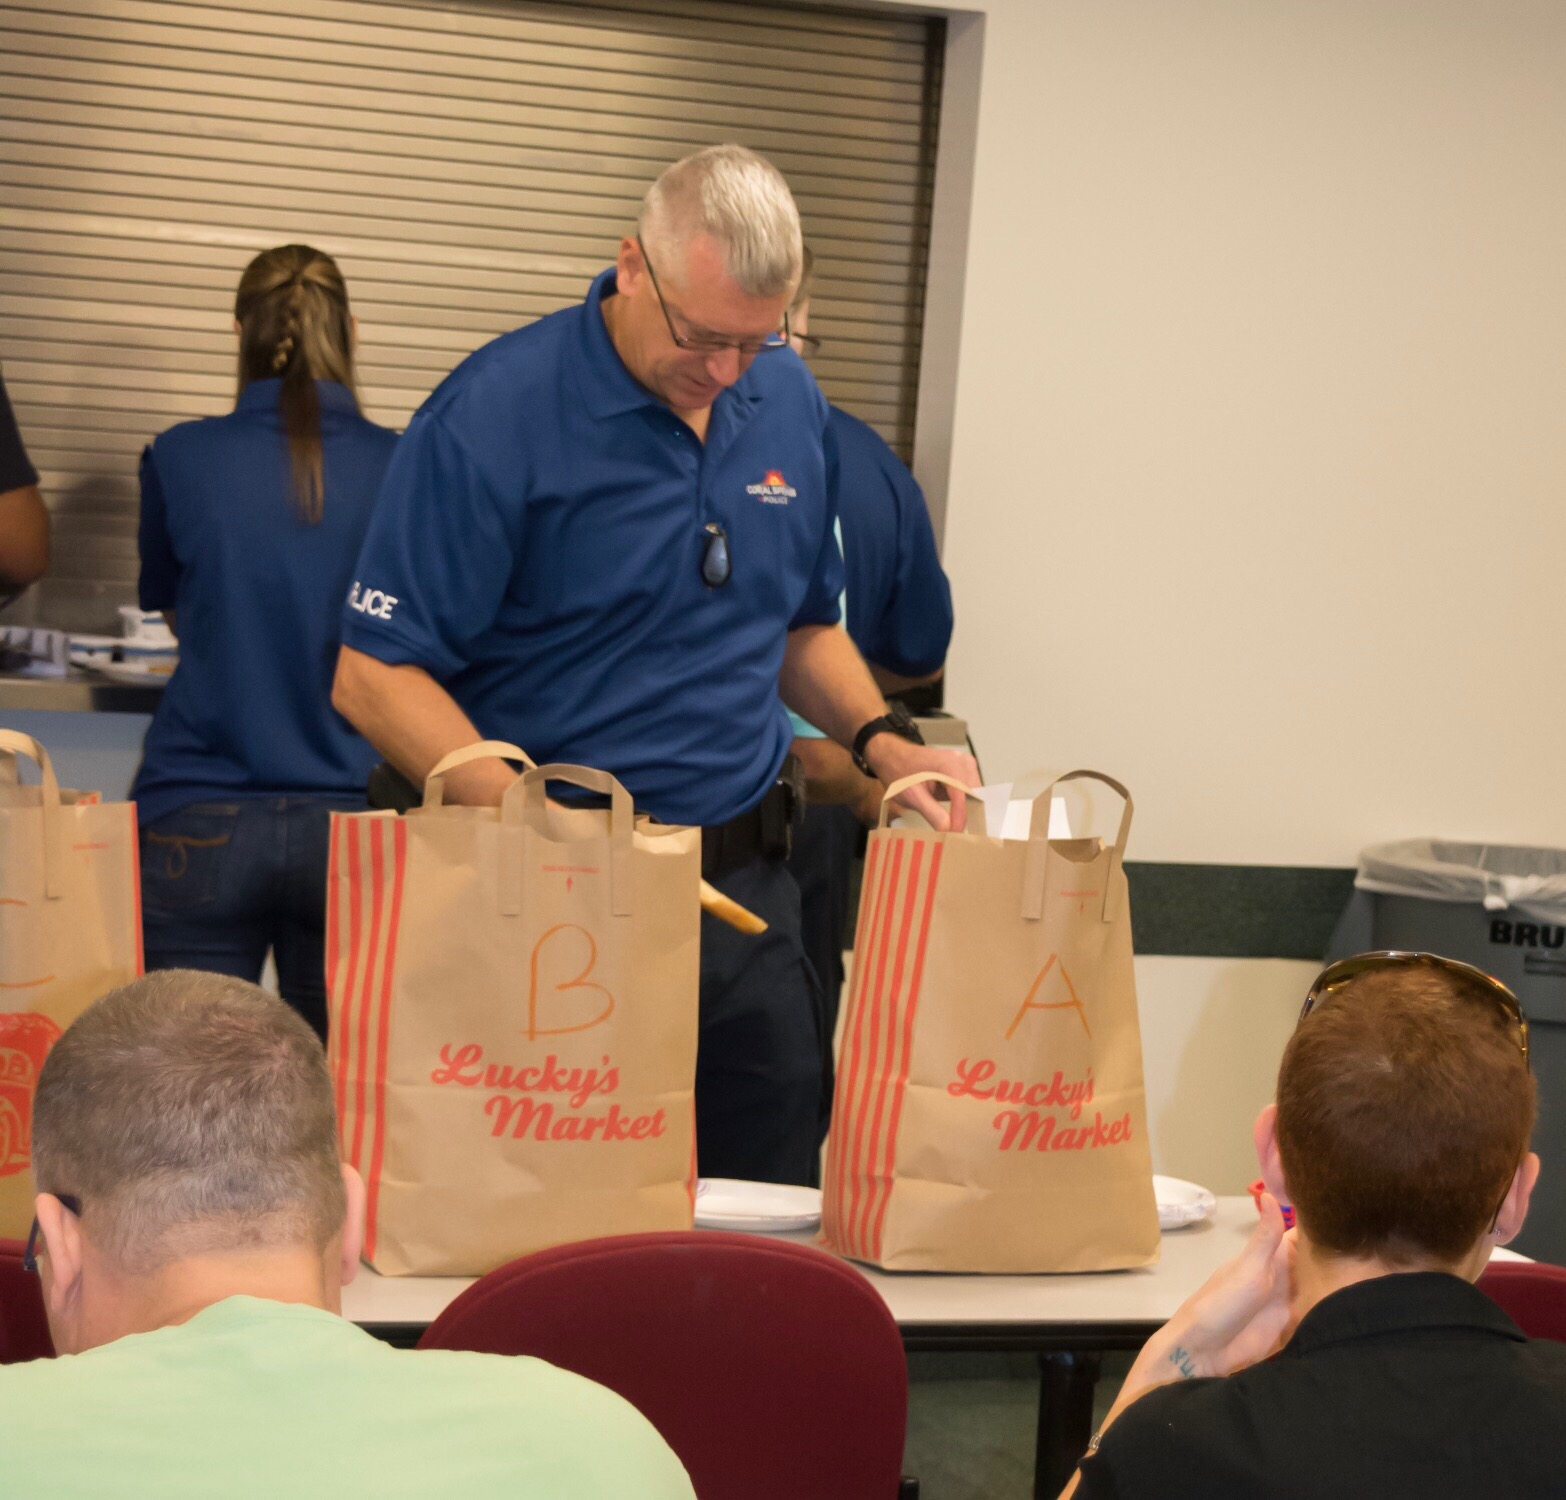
[(1008, 817)]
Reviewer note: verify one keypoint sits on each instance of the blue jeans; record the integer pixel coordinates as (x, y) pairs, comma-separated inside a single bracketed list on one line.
[(222, 882)]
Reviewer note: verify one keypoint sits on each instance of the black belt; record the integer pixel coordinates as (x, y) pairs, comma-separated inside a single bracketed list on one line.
[(766, 831)]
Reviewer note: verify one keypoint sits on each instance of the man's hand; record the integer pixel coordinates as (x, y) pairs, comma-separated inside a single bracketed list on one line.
[(892, 757), (414, 722)]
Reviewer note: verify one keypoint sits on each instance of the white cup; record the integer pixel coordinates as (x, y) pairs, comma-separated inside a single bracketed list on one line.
[(145, 626)]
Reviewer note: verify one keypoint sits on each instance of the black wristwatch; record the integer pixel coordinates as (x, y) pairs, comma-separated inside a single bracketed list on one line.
[(895, 720)]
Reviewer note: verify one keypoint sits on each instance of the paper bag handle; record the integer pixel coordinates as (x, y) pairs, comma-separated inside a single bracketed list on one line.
[(525, 804), (12, 744), (901, 785), (435, 782), (1035, 878)]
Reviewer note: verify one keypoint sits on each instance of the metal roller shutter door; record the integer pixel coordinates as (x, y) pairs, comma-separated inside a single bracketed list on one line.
[(471, 165)]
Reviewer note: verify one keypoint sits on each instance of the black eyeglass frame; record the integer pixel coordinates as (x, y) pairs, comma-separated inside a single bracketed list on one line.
[(749, 349), (1335, 976), (30, 1252)]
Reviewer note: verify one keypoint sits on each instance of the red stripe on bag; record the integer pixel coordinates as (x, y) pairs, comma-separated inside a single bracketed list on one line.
[(345, 1013), (333, 917), (383, 1025), (878, 1184), (864, 964), (901, 1087), (843, 1100), (873, 1011), (135, 861), (371, 955)]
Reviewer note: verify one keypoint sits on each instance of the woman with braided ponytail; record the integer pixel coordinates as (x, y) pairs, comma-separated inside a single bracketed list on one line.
[(250, 526)]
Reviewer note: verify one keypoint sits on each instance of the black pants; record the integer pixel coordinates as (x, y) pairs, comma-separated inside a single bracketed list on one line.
[(825, 842), (759, 1073)]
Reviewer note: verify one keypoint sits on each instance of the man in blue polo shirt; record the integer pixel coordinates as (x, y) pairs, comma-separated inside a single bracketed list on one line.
[(608, 537)]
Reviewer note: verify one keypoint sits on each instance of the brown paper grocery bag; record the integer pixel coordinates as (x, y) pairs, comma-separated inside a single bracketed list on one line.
[(989, 1113), (70, 930), (513, 1012)]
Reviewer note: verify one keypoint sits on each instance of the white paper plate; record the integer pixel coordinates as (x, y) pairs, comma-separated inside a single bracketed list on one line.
[(134, 673), (1181, 1203), (1502, 1253), (93, 650), (760, 1207)]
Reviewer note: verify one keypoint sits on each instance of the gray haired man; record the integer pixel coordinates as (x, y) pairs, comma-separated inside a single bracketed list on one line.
[(195, 1230), (607, 537)]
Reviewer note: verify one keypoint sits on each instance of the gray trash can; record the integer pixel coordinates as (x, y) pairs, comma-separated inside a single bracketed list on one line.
[(1504, 911)]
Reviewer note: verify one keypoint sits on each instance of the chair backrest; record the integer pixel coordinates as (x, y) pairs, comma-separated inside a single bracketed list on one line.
[(24, 1330), (1531, 1293), (771, 1369)]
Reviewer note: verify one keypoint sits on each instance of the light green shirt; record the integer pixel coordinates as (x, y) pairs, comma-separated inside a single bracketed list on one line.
[(254, 1398)]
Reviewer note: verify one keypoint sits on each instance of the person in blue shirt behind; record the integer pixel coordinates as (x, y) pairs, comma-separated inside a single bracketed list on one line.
[(250, 525), (608, 538), (899, 615)]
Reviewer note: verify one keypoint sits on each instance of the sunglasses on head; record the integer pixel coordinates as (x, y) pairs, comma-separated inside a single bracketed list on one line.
[(1335, 976), (30, 1253)]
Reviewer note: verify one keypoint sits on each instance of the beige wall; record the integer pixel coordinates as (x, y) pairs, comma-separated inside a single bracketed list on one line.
[(1258, 457), (1255, 475), (1213, 1031)]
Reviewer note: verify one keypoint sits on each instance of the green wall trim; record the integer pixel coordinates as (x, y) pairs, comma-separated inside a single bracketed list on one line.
[(1224, 911), (1236, 911)]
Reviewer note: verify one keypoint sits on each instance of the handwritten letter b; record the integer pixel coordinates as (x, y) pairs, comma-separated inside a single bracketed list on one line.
[(568, 1012)]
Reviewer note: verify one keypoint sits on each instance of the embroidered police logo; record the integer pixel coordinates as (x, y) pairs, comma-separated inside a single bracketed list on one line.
[(773, 490)]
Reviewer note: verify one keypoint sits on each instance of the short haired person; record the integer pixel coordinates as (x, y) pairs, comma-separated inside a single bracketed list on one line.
[(607, 537), (24, 519), (898, 608), (251, 523), (196, 1230), (1400, 1135)]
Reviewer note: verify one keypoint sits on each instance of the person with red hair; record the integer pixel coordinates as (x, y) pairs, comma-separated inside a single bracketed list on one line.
[(1400, 1135)]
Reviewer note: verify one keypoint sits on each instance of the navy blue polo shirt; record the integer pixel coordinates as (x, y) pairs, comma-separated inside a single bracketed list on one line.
[(257, 593), (899, 600), (538, 545)]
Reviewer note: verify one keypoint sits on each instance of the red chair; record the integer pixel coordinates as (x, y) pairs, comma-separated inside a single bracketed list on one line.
[(771, 1369), (1531, 1293), (24, 1330)]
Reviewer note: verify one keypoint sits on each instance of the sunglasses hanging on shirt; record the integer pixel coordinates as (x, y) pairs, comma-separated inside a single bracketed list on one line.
[(716, 566)]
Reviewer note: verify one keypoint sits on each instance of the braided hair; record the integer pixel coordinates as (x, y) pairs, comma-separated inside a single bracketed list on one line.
[(292, 311)]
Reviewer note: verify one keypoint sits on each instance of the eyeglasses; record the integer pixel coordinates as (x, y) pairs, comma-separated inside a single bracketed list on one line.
[(1338, 974), (810, 340), (747, 347), (716, 565), (30, 1253)]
